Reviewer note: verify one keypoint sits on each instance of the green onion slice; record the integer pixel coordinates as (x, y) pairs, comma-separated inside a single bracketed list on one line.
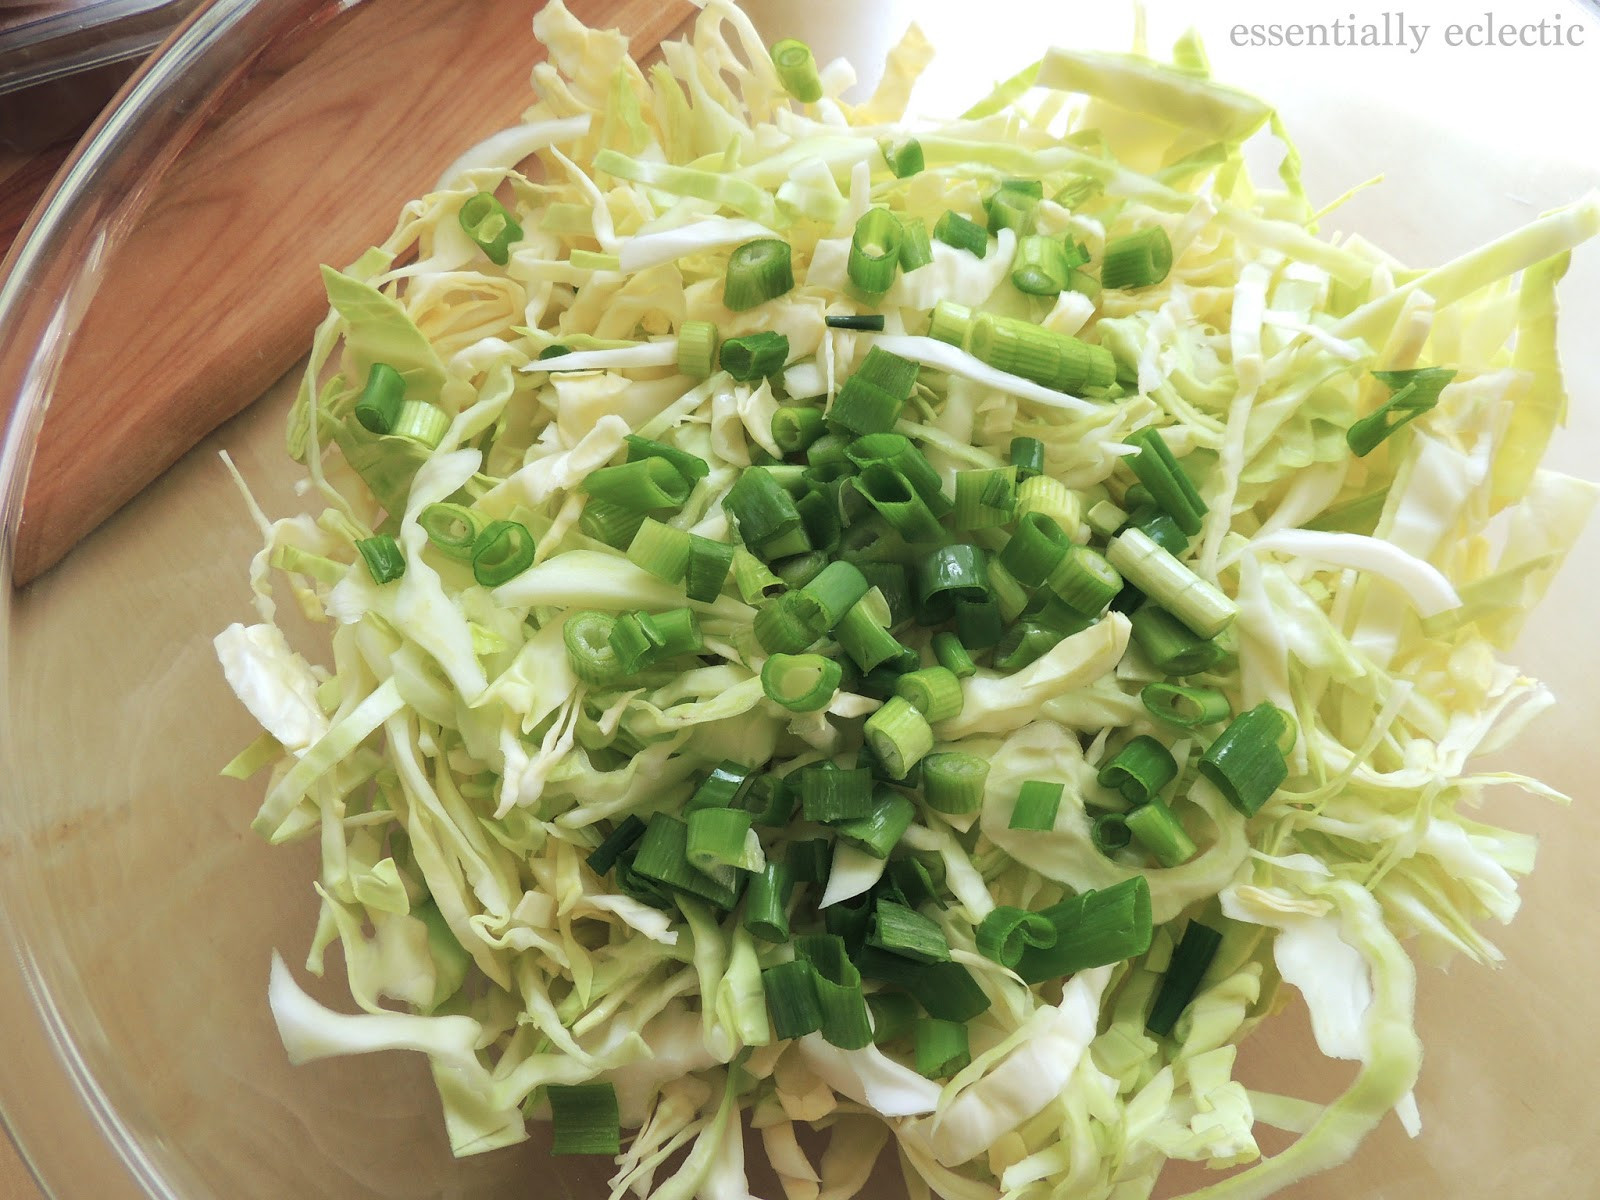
[(382, 555), (1188, 967), (758, 271), (584, 1119), (1006, 933), (379, 405), (801, 682)]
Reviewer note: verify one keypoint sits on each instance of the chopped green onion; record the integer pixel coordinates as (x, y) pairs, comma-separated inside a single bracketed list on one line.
[(755, 355), (604, 856), (1138, 260), (725, 786), (810, 860), (899, 503), (1050, 498), (753, 578), (836, 590), (867, 323), (985, 497), (1245, 762), (899, 736), (504, 550), (953, 656), (880, 831), (1188, 967), (1011, 207), (1411, 393), (633, 643), (935, 692), (945, 990), (1139, 770), (1105, 519), (1007, 933), (1027, 456), (1199, 604), (1093, 929), (1161, 529), (1024, 643), (587, 636), (1186, 707), (904, 158), (554, 351), (1170, 645), (1040, 266), (894, 1014), (791, 990), (1110, 833), (979, 624), (1035, 549), (948, 574), (893, 580), (382, 555), (675, 631), (697, 349), (942, 1048), (844, 1006), (758, 271), (1037, 805), (692, 467), (1169, 484), (452, 528), (1050, 359), (584, 1119), (1012, 596), (663, 856), (766, 902), (795, 428), (1049, 611), (490, 227), (1159, 832), (797, 70), (646, 891), (661, 550), (718, 839), (798, 570), (864, 634), (642, 485), (900, 930), (760, 507), (950, 322), (910, 882), (801, 683), (421, 422), (956, 231), (709, 563), (614, 524), (915, 248), (829, 794), (875, 251), (380, 401), (871, 399), (1085, 581), (790, 624), (897, 451)]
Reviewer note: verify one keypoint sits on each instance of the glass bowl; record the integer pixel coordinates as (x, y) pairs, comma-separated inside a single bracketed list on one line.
[(139, 913)]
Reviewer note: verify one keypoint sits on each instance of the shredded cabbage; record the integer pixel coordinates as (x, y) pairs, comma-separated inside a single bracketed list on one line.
[(457, 772)]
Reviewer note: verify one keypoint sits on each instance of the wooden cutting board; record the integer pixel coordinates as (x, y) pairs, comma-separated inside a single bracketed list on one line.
[(215, 293)]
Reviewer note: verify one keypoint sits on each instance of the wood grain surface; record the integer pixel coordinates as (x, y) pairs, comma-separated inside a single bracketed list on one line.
[(215, 293)]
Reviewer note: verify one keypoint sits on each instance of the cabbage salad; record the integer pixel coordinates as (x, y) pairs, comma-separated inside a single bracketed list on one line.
[(910, 629)]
